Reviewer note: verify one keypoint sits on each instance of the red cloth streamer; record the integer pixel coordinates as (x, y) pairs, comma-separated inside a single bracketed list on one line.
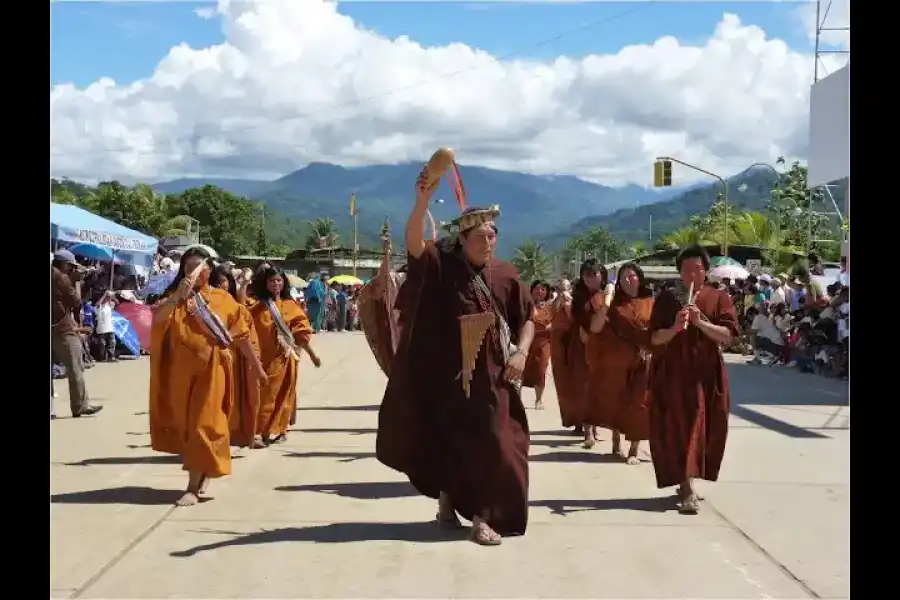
[(459, 190)]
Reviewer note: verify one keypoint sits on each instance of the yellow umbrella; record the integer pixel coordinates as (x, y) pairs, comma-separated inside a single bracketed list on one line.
[(345, 280), (297, 282)]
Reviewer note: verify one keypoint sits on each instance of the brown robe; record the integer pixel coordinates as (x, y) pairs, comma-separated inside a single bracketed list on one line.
[(535, 373), (558, 362), (617, 395), (689, 392), (475, 449), (577, 369)]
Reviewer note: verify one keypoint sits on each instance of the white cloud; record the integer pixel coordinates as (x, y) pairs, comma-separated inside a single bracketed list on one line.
[(205, 13), (834, 18), (297, 81)]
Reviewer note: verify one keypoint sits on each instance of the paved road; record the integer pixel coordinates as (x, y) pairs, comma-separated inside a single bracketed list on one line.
[(319, 517)]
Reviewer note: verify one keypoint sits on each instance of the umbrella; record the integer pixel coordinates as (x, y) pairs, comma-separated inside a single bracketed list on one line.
[(718, 261), (345, 280), (296, 281), (729, 272), (141, 318), (92, 251), (126, 335), (212, 253), (158, 283)]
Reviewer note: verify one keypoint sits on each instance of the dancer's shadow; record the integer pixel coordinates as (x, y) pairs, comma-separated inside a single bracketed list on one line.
[(347, 430), (363, 407), (340, 456), (137, 496), (154, 459), (577, 457), (564, 507), (369, 490), (333, 533)]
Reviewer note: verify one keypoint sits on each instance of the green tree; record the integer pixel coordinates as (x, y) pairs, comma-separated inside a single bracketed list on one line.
[(596, 243), (532, 262), (795, 207), (228, 223), (324, 233)]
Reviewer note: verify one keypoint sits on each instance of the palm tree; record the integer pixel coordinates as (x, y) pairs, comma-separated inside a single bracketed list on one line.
[(531, 262), (684, 237), (324, 233)]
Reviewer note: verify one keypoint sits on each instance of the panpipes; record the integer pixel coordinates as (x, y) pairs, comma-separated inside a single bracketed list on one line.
[(472, 329)]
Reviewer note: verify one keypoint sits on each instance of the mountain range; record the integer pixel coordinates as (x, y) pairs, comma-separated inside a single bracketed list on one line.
[(532, 206)]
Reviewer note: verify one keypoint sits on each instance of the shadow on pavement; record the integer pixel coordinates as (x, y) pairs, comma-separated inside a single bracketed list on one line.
[(564, 507), (566, 433), (774, 386), (341, 456), (334, 533), (585, 456), (347, 430), (365, 407), (139, 496), (155, 459), (369, 490), (575, 442)]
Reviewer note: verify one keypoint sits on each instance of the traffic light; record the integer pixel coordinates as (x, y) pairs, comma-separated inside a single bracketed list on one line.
[(662, 173)]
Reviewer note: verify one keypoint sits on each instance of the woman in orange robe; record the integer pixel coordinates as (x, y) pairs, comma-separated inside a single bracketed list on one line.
[(196, 329), (562, 321), (535, 372), (242, 419), (616, 353), (284, 332), (593, 278)]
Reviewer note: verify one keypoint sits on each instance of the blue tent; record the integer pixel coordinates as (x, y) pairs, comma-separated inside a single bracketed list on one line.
[(73, 225)]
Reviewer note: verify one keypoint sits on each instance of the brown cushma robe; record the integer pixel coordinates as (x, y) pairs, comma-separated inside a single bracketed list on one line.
[(617, 389), (558, 362), (582, 311), (535, 373), (689, 392), (475, 449)]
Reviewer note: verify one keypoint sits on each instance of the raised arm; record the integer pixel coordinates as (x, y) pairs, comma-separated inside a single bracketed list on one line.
[(415, 226)]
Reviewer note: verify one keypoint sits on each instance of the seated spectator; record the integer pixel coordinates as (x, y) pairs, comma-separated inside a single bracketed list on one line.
[(768, 340)]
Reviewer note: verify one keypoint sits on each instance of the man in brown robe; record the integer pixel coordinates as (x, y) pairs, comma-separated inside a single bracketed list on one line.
[(470, 453), (688, 382)]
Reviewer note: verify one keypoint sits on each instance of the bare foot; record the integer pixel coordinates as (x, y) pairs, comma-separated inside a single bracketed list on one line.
[(257, 443), (189, 499), (632, 460), (280, 439), (538, 405), (204, 485), (588, 443)]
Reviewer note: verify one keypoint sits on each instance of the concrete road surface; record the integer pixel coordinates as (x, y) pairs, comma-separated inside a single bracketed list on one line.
[(319, 517)]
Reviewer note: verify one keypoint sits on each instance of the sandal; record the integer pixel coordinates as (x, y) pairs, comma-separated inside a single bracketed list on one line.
[(483, 535), (449, 522), (690, 505)]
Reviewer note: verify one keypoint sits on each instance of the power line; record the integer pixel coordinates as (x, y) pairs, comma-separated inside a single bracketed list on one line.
[(387, 93)]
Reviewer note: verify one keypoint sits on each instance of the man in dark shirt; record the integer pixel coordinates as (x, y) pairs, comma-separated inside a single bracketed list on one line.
[(64, 338)]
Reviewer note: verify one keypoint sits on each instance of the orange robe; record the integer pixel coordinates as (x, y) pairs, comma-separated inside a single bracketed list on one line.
[(559, 363), (617, 395), (576, 363), (192, 385), (535, 372), (278, 398), (242, 419)]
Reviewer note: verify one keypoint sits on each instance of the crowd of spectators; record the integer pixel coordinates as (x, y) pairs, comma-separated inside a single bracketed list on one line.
[(795, 320)]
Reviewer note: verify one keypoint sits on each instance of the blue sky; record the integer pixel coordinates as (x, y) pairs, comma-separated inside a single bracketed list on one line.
[(125, 41)]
